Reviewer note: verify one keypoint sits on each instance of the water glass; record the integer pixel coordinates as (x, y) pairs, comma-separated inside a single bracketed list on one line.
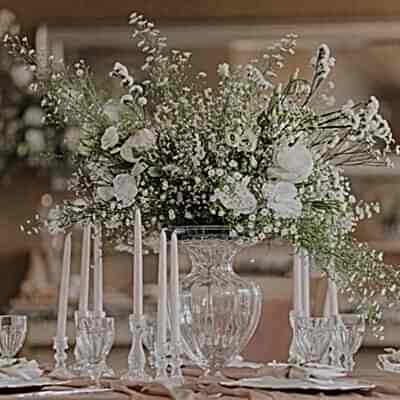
[(312, 336), (94, 344), (12, 335), (349, 332)]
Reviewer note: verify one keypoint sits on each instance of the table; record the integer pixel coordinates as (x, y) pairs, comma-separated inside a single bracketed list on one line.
[(388, 388)]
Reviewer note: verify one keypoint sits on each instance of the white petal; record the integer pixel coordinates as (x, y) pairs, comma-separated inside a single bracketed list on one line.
[(110, 138), (105, 193), (126, 151), (125, 189)]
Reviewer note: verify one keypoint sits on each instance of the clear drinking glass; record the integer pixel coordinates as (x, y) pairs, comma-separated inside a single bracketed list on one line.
[(12, 335), (220, 310), (312, 336), (349, 333), (95, 343)]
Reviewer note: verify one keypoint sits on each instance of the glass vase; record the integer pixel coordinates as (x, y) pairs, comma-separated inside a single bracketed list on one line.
[(220, 311)]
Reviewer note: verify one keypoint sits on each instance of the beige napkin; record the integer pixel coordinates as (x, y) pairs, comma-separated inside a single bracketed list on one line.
[(240, 373), (61, 374), (22, 369)]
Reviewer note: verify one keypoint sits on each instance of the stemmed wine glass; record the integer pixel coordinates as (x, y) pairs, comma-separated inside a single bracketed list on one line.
[(13, 330)]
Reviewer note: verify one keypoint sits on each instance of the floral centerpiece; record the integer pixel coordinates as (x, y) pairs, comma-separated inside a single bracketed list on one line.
[(25, 140), (262, 157)]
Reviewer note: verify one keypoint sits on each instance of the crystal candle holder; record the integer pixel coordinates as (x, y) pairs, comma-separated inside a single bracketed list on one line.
[(60, 345), (161, 361), (137, 359), (294, 351), (175, 363), (80, 365)]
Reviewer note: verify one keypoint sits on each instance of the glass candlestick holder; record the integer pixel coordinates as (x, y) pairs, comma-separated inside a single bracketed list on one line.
[(137, 358), (175, 363), (294, 351), (60, 345), (80, 367), (160, 357)]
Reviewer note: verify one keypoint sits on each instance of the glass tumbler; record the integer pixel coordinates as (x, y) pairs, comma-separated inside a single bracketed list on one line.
[(12, 335), (312, 336), (349, 333)]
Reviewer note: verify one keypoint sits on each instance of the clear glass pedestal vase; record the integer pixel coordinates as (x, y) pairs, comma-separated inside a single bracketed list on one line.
[(220, 311)]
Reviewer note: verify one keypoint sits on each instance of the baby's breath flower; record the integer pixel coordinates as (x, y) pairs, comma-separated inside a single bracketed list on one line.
[(261, 157)]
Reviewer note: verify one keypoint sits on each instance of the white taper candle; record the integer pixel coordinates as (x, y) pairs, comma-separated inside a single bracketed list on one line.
[(305, 263), (175, 300), (85, 271), (64, 290), (98, 272), (138, 267), (162, 292), (297, 285), (333, 298), (42, 46), (57, 51)]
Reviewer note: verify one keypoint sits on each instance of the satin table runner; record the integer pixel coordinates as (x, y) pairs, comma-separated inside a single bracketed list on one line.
[(387, 388)]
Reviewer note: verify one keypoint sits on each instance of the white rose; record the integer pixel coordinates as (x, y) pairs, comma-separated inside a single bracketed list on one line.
[(292, 164), (110, 138), (105, 193), (143, 140), (125, 189), (35, 140), (239, 198), (33, 116), (282, 198)]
